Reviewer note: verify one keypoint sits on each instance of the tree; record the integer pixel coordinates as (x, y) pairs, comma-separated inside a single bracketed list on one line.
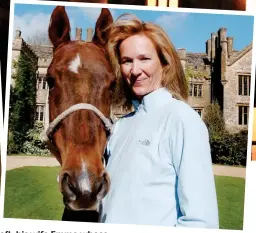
[(23, 102), (194, 73), (213, 118), (34, 143), (226, 148)]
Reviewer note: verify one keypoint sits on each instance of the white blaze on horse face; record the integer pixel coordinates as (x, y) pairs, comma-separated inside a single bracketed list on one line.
[(75, 64), (84, 182)]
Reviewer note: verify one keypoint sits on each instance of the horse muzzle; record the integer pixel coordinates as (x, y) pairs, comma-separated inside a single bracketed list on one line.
[(83, 192)]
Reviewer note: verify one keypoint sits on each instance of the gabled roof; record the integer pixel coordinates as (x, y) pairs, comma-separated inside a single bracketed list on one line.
[(195, 59), (240, 54), (43, 51)]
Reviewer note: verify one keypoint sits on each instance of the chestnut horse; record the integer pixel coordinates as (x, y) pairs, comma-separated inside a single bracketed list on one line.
[(80, 80), (206, 4)]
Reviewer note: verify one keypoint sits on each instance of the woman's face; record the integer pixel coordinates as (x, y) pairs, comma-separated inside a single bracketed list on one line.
[(140, 65)]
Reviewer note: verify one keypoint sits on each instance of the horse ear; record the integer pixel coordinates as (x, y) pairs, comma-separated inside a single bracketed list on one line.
[(59, 28), (101, 33)]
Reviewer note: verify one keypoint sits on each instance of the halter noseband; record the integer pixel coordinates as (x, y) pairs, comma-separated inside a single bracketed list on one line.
[(82, 106)]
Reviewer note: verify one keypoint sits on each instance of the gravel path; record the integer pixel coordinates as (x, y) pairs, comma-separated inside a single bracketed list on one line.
[(221, 170), (22, 161)]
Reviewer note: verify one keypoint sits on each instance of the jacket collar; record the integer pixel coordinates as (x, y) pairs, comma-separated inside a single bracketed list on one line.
[(153, 100)]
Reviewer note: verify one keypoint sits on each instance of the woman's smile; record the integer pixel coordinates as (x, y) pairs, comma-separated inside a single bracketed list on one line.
[(140, 81)]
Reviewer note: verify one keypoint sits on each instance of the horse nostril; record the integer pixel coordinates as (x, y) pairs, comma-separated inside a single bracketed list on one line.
[(102, 182), (103, 186), (67, 187)]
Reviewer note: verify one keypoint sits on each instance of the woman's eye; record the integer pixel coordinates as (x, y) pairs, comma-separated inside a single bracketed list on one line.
[(50, 81), (126, 61)]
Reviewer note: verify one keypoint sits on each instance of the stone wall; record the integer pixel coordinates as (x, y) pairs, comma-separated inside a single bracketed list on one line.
[(205, 99), (231, 97)]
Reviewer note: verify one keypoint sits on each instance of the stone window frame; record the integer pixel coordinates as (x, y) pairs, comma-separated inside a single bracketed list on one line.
[(41, 83), (243, 122), (40, 112), (244, 74), (197, 90)]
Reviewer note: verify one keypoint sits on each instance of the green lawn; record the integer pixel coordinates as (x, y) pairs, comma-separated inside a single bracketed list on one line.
[(32, 193), (230, 193)]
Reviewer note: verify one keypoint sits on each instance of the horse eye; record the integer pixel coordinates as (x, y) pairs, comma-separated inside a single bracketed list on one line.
[(50, 81)]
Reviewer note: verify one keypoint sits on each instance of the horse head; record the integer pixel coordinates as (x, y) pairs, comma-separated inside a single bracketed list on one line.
[(80, 74)]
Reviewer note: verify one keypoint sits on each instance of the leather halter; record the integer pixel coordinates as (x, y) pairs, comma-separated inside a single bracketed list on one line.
[(51, 127)]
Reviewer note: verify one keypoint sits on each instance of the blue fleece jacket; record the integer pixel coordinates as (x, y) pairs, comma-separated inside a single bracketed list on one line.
[(160, 167)]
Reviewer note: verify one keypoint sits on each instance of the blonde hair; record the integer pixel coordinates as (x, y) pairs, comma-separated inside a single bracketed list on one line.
[(173, 77)]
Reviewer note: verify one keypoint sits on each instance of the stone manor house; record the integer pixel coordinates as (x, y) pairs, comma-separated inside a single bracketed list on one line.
[(221, 73)]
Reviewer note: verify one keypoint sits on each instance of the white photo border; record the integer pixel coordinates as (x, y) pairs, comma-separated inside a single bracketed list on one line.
[(49, 225)]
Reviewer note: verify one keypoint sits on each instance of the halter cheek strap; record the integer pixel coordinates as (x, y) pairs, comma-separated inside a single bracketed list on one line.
[(51, 127)]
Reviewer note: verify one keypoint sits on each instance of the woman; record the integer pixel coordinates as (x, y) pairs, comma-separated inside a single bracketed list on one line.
[(159, 158)]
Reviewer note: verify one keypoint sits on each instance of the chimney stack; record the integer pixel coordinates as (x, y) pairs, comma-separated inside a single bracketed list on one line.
[(89, 34), (78, 33), (213, 45), (223, 37), (224, 53), (230, 46), (208, 48), (18, 34), (183, 56)]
